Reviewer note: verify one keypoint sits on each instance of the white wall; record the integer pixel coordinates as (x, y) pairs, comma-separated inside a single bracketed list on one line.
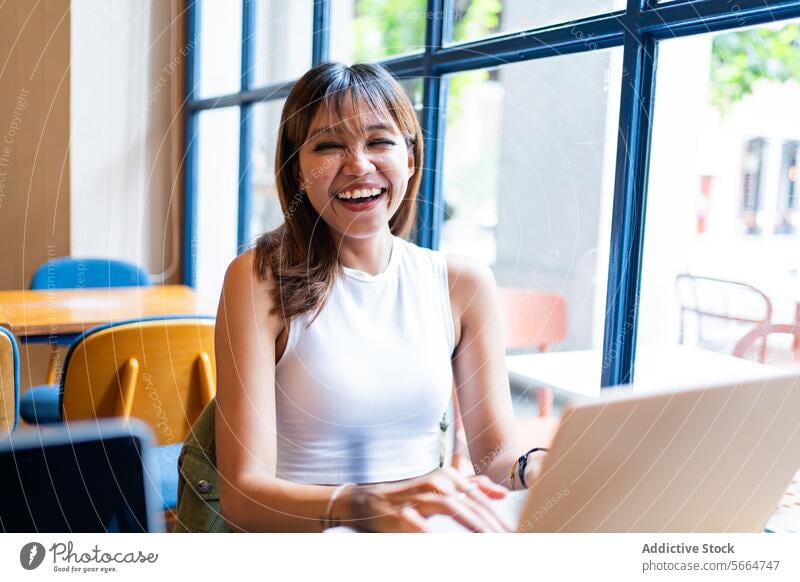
[(125, 132)]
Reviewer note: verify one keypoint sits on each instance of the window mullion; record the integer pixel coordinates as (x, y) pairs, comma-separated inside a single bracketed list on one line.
[(630, 198), (431, 197)]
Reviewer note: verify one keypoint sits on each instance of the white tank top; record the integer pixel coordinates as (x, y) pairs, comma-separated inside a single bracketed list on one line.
[(361, 391)]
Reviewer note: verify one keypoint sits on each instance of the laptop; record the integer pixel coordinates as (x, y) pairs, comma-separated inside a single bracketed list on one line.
[(89, 476), (704, 459)]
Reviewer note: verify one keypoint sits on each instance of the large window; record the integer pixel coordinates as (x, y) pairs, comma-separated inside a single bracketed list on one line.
[(514, 198), (721, 251), (538, 119)]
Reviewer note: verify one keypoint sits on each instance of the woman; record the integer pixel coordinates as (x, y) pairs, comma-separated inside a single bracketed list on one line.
[(338, 341)]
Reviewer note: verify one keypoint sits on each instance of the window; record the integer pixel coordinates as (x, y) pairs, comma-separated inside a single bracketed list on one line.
[(786, 222), (559, 102), (370, 30), (516, 202), (753, 161), (266, 208), (217, 185), (281, 40), (475, 19), (709, 286), (220, 47)]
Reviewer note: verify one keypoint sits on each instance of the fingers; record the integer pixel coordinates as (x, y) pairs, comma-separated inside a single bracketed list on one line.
[(462, 512), (410, 521), (477, 492), (482, 505), (490, 488), (404, 507)]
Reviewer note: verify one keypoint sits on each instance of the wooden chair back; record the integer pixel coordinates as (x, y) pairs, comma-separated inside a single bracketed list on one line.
[(161, 371)]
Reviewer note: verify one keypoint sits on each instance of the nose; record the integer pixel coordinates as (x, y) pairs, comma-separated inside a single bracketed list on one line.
[(357, 162)]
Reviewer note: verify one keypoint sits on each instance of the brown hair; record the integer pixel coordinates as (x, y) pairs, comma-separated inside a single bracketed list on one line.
[(300, 253)]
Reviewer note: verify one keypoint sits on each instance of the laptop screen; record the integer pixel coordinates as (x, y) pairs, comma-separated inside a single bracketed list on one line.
[(92, 477)]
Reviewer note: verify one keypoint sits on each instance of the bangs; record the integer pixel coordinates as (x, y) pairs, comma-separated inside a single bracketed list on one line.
[(365, 95)]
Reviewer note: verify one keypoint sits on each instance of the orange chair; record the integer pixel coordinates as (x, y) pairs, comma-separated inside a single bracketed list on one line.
[(531, 319), (755, 343), (534, 320), (9, 383), (161, 371)]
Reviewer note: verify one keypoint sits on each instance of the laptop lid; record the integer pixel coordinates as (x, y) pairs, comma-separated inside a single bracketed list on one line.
[(710, 459), (90, 476)]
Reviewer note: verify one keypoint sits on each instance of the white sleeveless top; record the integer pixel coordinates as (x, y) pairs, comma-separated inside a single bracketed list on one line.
[(360, 392)]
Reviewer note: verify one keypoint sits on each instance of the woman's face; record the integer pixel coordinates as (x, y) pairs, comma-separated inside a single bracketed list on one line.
[(355, 181)]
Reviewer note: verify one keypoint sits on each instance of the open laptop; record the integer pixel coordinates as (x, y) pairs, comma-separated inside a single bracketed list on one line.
[(90, 476), (706, 459)]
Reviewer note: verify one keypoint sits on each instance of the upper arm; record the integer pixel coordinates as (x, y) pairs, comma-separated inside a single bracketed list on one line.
[(246, 438), (479, 365)]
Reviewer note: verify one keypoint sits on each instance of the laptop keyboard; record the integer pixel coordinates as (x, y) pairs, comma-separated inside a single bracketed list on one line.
[(787, 515)]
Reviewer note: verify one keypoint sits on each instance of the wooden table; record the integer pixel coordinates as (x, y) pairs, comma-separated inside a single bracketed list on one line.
[(38, 315), (656, 367)]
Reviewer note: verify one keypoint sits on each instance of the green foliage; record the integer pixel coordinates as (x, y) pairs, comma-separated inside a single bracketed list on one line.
[(383, 28), (741, 59)]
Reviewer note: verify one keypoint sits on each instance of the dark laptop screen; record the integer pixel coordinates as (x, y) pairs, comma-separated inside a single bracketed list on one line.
[(88, 485)]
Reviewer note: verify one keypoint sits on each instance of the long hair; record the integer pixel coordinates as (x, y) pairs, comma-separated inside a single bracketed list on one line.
[(300, 253)]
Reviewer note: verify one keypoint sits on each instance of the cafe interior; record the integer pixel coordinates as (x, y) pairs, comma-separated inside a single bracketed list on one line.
[(628, 170)]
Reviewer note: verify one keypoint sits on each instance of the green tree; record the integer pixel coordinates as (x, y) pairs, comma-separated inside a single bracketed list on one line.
[(741, 59), (384, 28)]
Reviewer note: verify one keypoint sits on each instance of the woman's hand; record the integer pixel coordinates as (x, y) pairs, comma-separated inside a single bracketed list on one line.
[(403, 507)]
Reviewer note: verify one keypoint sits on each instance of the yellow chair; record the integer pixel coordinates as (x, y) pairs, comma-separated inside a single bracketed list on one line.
[(9, 383), (161, 371)]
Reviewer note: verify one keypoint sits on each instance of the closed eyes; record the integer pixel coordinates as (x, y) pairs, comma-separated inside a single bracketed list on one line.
[(332, 145)]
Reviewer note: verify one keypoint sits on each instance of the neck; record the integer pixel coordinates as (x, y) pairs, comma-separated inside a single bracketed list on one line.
[(370, 255)]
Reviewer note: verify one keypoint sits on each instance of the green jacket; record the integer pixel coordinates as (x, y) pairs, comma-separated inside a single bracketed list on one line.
[(198, 494)]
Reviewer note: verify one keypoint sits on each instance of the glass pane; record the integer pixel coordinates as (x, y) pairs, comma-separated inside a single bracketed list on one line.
[(722, 248), (413, 87), (368, 30), (220, 59), (474, 19), (266, 208), (283, 31), (528, 183), (217, 199)]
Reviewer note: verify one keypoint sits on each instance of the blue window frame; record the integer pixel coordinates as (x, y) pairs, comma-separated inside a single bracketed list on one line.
[(637, 29)]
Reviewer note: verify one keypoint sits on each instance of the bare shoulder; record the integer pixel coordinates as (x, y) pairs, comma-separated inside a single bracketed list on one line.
[(242, 272), (472, 285), (247, 292)]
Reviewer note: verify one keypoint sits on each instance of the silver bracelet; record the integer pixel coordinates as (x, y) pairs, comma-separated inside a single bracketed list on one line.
[(326, 522)]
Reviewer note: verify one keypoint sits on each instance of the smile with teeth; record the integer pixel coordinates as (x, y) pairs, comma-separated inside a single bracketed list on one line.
[(360, 196)]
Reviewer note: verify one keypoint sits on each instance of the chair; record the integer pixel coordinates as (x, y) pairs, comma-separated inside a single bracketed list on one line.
[(723, 311), (531, 319), (9, 383), (755, 343), (534, 320), (160, 370), (84, 273)]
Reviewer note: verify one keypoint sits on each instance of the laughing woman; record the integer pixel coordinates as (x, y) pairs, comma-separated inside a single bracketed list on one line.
[(338, 341)]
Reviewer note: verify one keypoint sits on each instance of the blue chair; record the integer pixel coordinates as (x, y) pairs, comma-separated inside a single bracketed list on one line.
[(160, 370), (9, 383), (84, 273), (76, 273)]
